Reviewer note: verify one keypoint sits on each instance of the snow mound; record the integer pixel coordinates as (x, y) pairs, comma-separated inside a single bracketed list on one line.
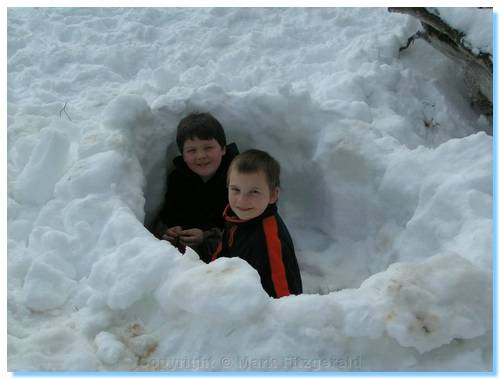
[(235, 290), (386, 191), (422, 305)]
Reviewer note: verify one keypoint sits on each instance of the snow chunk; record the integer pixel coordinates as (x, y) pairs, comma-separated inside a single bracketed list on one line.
[(46, 288), (143, 345), (227, 287), (35, 184), (101, 140), (175, 100), (43, 348), (96, 174), (110, 173), (424, 305), (109, 348), (125, 111), (131, 271)]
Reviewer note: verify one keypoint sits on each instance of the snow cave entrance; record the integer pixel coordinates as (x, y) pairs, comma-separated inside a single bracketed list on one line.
[(327, 197)]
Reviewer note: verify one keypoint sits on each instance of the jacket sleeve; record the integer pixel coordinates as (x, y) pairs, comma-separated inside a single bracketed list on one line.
[(171, 214), (284, 272), (211, 245), (291, 267)]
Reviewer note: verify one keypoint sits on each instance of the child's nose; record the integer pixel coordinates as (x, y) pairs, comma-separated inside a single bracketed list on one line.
[(200, 154), (242, 200)]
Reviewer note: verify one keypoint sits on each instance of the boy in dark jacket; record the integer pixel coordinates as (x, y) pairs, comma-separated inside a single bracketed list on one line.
[(196, 188), (254, 231)]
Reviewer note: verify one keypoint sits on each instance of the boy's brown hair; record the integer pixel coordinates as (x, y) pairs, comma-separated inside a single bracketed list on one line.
[(254, 160), (200, 125)]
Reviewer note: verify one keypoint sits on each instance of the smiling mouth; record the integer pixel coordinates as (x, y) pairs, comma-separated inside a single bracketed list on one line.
[(245, 209)]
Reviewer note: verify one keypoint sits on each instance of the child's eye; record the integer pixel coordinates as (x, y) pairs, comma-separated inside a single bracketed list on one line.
[(234, 189), (254, 191)]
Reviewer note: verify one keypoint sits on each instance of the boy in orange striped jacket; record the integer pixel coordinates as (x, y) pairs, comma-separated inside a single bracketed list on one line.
[(254, 231)]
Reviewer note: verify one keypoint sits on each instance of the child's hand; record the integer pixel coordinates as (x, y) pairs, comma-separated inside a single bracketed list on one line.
[(191, 237), (171, 234)]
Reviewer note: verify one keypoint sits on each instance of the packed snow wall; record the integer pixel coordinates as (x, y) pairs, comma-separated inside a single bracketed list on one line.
[(386, 190)]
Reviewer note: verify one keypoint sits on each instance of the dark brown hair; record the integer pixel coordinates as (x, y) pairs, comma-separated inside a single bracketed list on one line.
[(254, 160), (200, 125)]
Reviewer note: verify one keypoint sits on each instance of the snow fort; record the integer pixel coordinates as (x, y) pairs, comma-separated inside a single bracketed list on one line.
[(386, 190)]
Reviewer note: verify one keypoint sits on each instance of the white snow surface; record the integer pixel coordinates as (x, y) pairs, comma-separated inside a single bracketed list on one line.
[(473, 22), (386, 175)]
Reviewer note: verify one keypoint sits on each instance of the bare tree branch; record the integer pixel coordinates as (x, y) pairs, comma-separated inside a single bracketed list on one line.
[(64, 110)]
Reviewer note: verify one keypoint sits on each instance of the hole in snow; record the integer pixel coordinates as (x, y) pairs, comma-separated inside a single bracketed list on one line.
[(328, 183)]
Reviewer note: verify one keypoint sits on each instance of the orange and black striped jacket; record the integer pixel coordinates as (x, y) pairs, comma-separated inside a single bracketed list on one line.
[(264, 242)]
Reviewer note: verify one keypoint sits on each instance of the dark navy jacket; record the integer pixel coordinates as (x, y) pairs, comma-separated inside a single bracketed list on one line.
[(192, 203), (264, 242)]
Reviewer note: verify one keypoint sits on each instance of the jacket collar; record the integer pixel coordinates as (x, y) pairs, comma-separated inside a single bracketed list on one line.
[(231, 217)]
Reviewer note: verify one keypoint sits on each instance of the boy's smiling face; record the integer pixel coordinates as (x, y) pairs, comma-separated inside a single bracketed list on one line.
[(249, 194), (203, 157)]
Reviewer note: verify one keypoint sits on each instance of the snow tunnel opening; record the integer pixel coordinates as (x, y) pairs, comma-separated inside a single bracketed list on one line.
[(327, 197)]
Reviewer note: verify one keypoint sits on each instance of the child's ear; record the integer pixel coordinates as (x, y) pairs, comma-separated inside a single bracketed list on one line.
[(224, 150), (274, 195)]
